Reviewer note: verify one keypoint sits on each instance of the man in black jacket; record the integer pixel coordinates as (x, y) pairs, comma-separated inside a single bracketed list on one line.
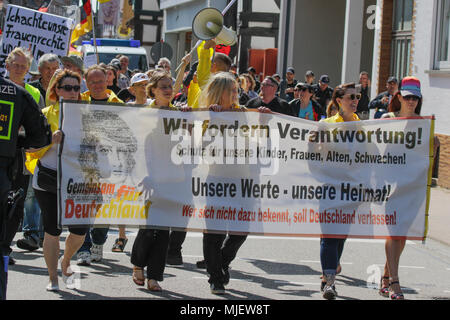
[(381, 102), (323, 92), (268, 99), (362, 110), (17, 109)]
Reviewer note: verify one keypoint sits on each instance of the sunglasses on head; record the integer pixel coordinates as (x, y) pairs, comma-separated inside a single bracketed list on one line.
[(68, 88)]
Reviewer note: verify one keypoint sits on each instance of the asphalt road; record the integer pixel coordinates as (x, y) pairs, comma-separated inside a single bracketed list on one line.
[(266, 268)]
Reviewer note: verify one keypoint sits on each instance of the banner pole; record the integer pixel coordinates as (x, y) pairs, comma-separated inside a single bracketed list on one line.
[(93, 35)]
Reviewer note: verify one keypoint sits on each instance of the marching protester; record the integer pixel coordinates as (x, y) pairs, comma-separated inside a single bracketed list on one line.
[(381, 102), (37, 135), (92, 248), (66, 86), (309, 77), (47, 65), (75, 63), (150, 246), (363, 88), (407, 102), (305, 107), (269, 88), (111, 79), (323, 92), (345, 98), (252, 72), (138, 84), (288, 85), (18, 63)]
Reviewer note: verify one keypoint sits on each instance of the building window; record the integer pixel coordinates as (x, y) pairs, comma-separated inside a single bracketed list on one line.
[(401, 37), (442, 60)]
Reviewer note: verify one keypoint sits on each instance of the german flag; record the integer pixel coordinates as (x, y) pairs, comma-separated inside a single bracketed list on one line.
[(85, 24)]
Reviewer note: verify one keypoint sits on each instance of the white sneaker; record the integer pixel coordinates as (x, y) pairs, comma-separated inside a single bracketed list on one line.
[(329, 291), (84, 258), (96, 253)]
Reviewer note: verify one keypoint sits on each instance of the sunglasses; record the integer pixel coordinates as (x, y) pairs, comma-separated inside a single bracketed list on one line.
[(68, 88), (354, 96), (411, 97)]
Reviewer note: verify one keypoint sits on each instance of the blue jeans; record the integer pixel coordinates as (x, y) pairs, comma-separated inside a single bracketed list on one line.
[(330, 254), (97, 236), (32, 222)]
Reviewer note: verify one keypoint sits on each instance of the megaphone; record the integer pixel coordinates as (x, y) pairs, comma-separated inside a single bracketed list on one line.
[(208, 24)]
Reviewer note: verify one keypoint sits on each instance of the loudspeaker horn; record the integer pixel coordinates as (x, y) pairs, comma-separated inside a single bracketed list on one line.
[(208, 24)]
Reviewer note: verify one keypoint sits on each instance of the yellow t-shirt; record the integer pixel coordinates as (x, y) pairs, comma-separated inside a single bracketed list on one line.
[(52, 115), (338, 118)]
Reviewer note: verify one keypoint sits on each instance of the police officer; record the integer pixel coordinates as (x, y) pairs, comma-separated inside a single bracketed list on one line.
[(17, 109)]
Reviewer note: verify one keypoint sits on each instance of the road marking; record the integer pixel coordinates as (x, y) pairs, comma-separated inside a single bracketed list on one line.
[(316, 261), (410, 267)]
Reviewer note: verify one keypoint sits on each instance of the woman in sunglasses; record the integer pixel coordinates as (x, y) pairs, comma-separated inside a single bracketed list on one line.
[(345, 99), (305, 107), (43, 164), (407, 102)]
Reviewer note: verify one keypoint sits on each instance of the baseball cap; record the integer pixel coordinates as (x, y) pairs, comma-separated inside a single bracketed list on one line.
[(115, 63), (75, 60), (138, 77), (290, 70), (325, 79), (392, 79), (410, 87)]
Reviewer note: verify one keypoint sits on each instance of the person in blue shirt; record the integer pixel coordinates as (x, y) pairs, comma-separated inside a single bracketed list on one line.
[(305, 107)]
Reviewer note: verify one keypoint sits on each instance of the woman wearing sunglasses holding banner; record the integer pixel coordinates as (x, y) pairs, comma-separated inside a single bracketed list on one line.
[(43, 164), (406, 103), (345, 99)]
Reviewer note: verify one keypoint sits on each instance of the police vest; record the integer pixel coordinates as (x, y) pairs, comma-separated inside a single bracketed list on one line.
[(35, 93)]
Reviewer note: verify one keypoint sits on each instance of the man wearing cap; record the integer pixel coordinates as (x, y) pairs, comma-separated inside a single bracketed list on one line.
[(287, 86), (309, 77), (138, 83), (323, 92), (381, 102), (75, 64), (268, 99), (305, 107)]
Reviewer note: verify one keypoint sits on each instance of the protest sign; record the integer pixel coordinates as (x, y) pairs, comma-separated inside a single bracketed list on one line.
[(37, 31), (244, 172)]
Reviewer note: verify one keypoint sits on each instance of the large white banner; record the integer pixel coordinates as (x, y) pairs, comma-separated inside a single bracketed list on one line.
[(37, 31), (244, 172)]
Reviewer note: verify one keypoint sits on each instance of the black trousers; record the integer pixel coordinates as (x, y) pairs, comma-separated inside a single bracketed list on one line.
[(5, 186), (176, 240), (12, 225), (149, 250), (219, 250)]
